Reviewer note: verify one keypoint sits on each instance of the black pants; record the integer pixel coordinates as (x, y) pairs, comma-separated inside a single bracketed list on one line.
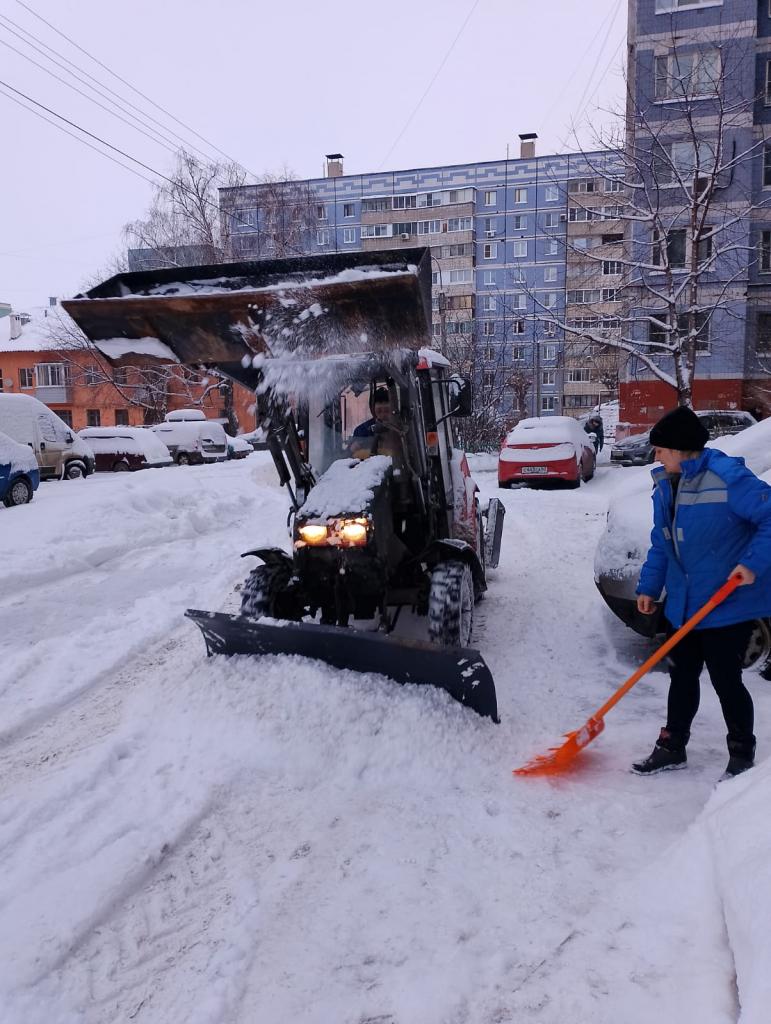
[(722, 651)]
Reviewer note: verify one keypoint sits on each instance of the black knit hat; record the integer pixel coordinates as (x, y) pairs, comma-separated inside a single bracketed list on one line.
[(680, 429)]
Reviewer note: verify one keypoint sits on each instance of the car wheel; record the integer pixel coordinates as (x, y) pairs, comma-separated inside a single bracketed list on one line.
[(19, 493), (74, 470), (120, 467), (758, 653), (451, 605), (183, 459)]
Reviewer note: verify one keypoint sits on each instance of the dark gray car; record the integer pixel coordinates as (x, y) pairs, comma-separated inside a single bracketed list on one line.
[(636, 450)]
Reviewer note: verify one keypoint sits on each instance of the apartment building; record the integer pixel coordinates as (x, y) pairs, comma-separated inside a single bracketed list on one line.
[(87, 391), (498, 233), (700, 100)]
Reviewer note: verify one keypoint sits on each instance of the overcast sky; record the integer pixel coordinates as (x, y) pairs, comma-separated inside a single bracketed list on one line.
[(274, 84)]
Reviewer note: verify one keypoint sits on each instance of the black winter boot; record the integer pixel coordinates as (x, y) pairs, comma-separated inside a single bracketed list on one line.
[(741, 756), (668, 755)]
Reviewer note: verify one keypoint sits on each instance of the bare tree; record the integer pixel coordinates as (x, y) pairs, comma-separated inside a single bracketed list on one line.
[(182, 226), (674, 199), (277, 217)]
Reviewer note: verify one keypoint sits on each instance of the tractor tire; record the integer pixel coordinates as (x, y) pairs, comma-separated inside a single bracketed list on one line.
[(451, 605), (265, 593)]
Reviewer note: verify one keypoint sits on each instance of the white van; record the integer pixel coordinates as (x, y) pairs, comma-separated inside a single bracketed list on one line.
[(60, 453), (194, 442)]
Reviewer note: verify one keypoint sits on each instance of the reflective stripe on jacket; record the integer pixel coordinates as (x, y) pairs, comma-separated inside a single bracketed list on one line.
[(720, 518)]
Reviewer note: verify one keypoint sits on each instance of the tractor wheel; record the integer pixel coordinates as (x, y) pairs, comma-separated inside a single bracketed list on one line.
[(451, 605), (265, 593)]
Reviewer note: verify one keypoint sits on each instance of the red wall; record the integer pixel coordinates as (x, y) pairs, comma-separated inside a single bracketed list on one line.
[(642, 403)]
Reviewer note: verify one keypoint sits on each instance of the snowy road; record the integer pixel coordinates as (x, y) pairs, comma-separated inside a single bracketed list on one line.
[(207, 841)]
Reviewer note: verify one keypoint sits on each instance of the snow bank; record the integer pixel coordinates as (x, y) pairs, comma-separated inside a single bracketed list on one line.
[(114, 348), (347, 487)]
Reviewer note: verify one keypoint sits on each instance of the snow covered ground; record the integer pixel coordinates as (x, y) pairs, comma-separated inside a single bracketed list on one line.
[(231, 842)]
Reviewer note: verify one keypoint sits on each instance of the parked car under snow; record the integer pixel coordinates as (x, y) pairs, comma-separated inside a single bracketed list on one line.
[(19, 473), (637, 450), (546, 449), (119, 449), (623, 547)]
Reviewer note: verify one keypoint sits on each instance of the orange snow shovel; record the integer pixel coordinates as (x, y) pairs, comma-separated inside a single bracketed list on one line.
[(560, 758)]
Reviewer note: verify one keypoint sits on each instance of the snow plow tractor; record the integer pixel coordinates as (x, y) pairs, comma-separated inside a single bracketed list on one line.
[(384, 513)]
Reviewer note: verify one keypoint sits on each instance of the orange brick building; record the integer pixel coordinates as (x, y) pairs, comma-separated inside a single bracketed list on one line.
[(84, 389)]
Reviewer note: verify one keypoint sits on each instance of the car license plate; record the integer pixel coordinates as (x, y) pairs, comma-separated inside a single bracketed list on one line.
[(534, 469)]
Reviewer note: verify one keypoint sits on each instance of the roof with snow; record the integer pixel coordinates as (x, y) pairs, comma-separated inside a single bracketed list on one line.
[(35, 333)]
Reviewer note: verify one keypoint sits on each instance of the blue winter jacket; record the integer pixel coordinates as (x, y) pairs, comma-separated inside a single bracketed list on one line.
[(721, 519)]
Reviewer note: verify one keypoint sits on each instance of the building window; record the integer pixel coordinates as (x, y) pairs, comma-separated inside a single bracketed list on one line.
[(519, 249), (51, 375), (550, 329), (488, 303), (675, 248), (767, 164), (763, 340), (349, 210), (550, 274), (461, 276), (429, 227), (121, 418), (488, 327), (552, 194), (519, 301), (518, 353), (520, 195), (582, 376), (375, 205), (658, 335), (610, 295), (687, 75), (614, 185), (491, 198), (27, 380), (490, 251), (548, 378), (552, 247), (551, 220), (583, 296), (491, 225), (549, 352), (488, 277), (550, 300), (517, 326), (520, 222), (376, 231), (548, 403), (321, 212), (460, 224), (91, 376), (430, 199), (583, 185), (488, 378), (405, 202), (704, 248), (765, 252), (460, 195), (322, 237), (668, 6), (611, 268), (349, 235), (66, 416), (578, 213), (93, 418), (120, 376)]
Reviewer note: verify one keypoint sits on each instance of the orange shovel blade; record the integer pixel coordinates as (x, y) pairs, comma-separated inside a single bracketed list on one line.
[(558, 758)]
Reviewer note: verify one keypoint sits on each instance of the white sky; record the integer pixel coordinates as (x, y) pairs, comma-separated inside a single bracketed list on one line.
[(281, 83)]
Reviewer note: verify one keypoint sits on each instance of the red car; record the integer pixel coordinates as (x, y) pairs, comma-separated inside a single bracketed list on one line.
[(119, 449), (546, 449)]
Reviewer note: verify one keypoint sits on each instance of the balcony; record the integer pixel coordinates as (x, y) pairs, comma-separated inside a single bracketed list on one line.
[(54, 394)]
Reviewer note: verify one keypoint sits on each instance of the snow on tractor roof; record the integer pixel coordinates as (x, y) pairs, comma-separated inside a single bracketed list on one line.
[(347, 488)]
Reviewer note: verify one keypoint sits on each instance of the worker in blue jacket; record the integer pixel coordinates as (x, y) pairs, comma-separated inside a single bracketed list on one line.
[(711, 520)]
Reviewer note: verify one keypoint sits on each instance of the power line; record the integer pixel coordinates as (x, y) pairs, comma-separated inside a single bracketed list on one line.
[(430, 84), (133, 88), (80, 92), (599, 57), (123, 102)]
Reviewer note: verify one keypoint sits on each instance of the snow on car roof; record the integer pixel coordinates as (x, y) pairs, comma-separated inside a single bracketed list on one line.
[(19, 456), (543, 429), (127, 440)]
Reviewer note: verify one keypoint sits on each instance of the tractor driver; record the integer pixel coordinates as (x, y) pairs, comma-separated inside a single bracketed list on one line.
[(379, 435)]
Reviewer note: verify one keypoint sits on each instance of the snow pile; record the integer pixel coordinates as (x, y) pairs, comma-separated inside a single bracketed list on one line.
[(18, 456), (115, 348), (347, 488), (127, 441)]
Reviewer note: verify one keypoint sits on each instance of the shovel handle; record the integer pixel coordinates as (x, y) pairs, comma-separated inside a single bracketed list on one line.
[(720, 595)]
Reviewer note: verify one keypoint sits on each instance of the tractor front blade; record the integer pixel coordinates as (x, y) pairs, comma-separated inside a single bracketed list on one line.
[(461, 671)]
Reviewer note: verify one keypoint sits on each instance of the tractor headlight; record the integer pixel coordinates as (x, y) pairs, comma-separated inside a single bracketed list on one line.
[(313, 534), (353, 532)]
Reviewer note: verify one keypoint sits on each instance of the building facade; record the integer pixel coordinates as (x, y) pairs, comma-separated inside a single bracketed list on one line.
[(502, 264), (700, 100)]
